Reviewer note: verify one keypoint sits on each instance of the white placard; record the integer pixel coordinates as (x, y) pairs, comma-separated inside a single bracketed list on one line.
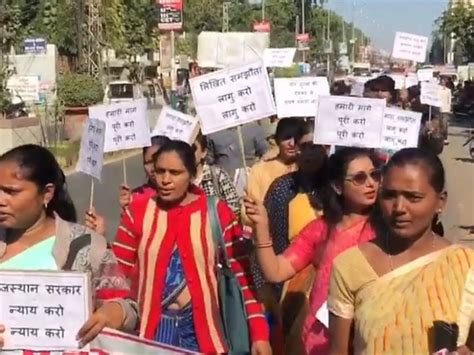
[(323, 314), (222, 50), (349, 121), (126, 125), (26, 87), (425, 74), (43, 310), (278, 57), (176, 125), (111, 341), (358, 85), (401, 129), (91, 154), (411, 80), (231, 97), (410, 47), (399, 80), (430, 94), (298, 97)]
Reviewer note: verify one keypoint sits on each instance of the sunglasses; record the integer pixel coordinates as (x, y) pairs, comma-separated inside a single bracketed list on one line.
[(361, 177)]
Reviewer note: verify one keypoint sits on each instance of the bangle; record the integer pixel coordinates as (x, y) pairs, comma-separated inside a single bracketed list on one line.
[(267, 244)]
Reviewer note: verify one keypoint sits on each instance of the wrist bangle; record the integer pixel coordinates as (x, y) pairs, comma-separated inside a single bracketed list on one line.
[(265, 244)]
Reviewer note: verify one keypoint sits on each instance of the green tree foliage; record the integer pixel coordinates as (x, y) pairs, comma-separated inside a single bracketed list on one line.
[(459, 21), (79, 90)]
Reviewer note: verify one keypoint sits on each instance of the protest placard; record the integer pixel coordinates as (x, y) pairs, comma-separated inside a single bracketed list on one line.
[(411, 80), (410, 47), (43, 310), (358, 85), (231, 97), (349, 121), (401, 129), (425, 74), (91, 153), (126, 124), (399, 80), (430, 94), (298, 97), (176, 125), (278, 57), (111, 341)]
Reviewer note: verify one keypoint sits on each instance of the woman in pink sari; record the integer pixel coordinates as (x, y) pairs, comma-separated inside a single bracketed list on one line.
[(350, 193)]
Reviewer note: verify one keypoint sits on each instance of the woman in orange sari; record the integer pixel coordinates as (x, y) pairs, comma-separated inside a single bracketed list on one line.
[(387, 296)]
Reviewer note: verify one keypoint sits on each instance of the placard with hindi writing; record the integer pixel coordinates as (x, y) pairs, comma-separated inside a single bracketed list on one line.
[(231, 97), (126, 124), (401, 129), (298, 97), (43, 311), (91, 154), (176, 125), (349, 121)]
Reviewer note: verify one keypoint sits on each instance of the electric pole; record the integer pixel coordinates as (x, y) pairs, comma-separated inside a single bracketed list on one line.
[(91, 46)]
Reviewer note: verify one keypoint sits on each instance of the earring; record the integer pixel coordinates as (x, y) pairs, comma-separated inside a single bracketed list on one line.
[(45, 205)]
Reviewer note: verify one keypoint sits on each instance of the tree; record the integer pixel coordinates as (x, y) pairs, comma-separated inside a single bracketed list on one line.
[(459, 21)]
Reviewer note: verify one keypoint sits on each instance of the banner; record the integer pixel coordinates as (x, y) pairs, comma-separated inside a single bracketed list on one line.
[(126, 124), (298, 97), (91, 153), (43, 310), (170, 14), (410, 47), (223, 50), (278, 57), (349, 121), (231, 97), (401, 129), (176, 125)]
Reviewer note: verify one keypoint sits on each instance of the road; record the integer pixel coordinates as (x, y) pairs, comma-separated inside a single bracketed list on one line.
[(458, 217)]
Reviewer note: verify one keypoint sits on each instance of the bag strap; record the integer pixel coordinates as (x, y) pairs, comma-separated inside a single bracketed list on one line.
[(215, 182), (74, 248), (216, 228)]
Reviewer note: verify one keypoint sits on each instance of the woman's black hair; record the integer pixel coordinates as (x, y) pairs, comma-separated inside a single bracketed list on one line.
[(202, 140), (39, 166), (436, 176), (423, 157), (311, 175), (333, 204), (156, 141), (184, 151), (288, 128)]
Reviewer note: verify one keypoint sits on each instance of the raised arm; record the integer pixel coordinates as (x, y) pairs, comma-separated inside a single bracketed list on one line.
[(279, 268)]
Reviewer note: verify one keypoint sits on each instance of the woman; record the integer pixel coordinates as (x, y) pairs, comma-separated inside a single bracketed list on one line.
[(292, 202), (165, 246), (212, 179), (289, 131), (96, 221), (37, 219), (350, 193), (386, 294)]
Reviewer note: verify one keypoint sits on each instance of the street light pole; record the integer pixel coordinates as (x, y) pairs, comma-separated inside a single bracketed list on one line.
[(302, 26), (263, 10)]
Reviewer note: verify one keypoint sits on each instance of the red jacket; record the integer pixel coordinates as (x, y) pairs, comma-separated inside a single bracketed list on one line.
[(144, 244)]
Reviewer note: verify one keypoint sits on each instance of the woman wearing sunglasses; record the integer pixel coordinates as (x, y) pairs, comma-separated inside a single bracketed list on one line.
[(348, 197)]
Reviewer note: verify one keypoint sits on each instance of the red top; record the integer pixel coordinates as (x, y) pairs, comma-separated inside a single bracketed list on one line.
[(143, 192), (144, 244)]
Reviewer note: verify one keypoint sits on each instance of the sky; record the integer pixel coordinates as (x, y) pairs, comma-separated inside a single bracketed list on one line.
[(380, 19)]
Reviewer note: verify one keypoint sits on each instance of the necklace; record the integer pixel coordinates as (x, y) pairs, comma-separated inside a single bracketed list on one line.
[(389, 254)]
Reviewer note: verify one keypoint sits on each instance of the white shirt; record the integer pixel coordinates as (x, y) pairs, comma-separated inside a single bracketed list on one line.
[(445, 97)]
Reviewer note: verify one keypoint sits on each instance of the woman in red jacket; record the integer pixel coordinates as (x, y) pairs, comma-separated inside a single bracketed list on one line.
[(166, 248)]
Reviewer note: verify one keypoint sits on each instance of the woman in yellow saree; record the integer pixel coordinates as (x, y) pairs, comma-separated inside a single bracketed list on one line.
[(385, 295)]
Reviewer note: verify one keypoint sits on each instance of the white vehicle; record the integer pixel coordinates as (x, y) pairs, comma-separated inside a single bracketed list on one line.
[(122, 91)]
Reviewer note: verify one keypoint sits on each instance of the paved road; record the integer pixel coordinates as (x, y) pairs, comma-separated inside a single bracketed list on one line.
[(458, 218)]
